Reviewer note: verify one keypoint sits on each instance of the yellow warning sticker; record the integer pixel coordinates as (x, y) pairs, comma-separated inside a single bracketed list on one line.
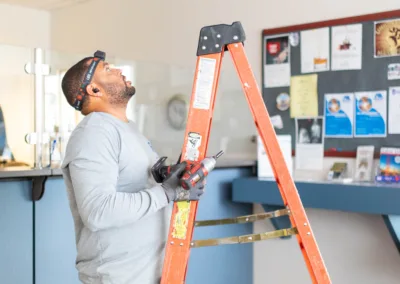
[(181, 220)]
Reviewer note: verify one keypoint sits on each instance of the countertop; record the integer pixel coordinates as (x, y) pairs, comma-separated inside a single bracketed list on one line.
[(27, 172)]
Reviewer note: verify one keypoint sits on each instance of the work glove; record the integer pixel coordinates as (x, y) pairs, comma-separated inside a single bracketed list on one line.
[(173, 189)]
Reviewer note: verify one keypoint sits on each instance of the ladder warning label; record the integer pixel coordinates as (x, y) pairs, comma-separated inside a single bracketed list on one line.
[(181, 220), (192, 146), (204, 83)]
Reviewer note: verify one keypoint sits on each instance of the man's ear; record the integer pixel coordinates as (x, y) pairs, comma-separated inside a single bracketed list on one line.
[(93, 90)]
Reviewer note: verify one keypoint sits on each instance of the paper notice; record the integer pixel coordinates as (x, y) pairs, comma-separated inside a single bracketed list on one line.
[(315, 50), (394, 113), (347, 47), (304, 96), (264, 166)]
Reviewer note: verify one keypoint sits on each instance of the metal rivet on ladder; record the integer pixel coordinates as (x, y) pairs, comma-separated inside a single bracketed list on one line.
[(250, 238), (205, 37), (247, 219), (308, 233), (235, 37), (172, 243), (181, 244), (203, 47), (217, 45), (305, 224), (218, 35), (236, 45)]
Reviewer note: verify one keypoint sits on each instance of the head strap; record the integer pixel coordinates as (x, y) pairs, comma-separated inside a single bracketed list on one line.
[(98, 56)]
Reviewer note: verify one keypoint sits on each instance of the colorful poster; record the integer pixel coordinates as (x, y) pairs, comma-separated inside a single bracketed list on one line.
[(277, 61), (387, 38), (370, 114), (389, 164), (304, 96), (339, 115), (315, 50), (347, 47)]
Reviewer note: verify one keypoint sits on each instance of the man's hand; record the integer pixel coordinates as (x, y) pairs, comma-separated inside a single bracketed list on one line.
[(173, 189), (191, 194)]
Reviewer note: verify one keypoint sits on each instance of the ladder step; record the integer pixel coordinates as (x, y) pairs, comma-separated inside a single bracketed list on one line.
[(244, 238), (243, 219)]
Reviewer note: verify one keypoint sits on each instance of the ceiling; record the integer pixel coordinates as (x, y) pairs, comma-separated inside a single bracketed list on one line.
[(43, 4)]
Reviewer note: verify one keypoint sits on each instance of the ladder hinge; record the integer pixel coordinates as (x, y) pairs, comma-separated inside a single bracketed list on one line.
[(214, 39)]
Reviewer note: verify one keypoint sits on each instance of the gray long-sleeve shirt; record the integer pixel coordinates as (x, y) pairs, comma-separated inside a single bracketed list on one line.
[(121, 214)]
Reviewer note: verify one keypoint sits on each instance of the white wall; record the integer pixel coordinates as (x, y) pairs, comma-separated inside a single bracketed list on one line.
[(24, 26), (357, 248), (21, 30)]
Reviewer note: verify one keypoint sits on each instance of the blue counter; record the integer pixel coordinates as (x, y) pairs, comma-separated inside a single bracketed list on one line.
[(37, 241)]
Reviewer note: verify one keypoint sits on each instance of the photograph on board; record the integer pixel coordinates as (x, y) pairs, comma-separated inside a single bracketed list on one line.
[(309, 130), (387, 38)]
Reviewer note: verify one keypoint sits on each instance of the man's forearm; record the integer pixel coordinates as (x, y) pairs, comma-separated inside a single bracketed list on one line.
[(101, 207), (120, 208)]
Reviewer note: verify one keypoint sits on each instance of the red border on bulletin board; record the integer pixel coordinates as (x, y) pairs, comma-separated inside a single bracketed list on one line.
[(330, 23)]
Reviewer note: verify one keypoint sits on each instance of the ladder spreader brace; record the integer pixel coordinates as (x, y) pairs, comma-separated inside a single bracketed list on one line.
[(213, 42)]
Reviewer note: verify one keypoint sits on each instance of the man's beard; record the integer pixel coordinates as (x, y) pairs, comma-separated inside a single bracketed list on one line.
[(120, 96)]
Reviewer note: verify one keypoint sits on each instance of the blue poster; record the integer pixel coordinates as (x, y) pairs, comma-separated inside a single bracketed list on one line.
[(339, 115), (370, 114)]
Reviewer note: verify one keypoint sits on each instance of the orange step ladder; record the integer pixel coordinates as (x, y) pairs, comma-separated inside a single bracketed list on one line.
[(213, 42)]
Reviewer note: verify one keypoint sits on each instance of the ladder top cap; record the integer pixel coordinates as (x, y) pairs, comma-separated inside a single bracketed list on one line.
[(215, 38)]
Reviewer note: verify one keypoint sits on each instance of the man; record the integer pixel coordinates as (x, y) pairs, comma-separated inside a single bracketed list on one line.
[(120, 213)]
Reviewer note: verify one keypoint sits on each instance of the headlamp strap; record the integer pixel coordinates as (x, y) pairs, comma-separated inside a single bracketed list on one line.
[(98, 56)]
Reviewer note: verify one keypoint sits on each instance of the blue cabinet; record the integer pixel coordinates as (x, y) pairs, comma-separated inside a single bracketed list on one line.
[(55, 250), (16, 232), (37, 239), (231, 264)]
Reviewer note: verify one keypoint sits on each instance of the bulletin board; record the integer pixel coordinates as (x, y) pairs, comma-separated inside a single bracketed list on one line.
[(343, 56)]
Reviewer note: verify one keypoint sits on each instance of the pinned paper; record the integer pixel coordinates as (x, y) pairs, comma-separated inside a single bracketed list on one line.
[(339, 115), (347, 47), (370, 114), (264, 166), (394, 107), (277, 121), (309, 143), (315, 50), (304, 96), (277, 61), (394, 71), (387, 38)]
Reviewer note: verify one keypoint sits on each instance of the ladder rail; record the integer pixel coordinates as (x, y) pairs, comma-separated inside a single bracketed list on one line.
[(199, 122), (286, 185)]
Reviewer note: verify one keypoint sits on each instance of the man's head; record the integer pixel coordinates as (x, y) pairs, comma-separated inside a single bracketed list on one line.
[(106, 89)]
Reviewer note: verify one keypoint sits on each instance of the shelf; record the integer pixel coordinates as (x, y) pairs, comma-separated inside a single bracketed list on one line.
[(362, 198)]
